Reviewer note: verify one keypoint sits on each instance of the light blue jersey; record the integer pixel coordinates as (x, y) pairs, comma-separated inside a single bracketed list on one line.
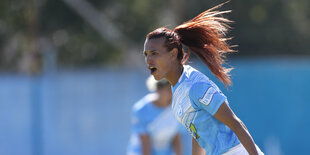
[(158, 123), (195, 100)]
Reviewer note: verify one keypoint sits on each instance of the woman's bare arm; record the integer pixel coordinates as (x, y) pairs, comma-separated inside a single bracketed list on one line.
[(196, 148), (145, 144), (227, 116), (176, 143)]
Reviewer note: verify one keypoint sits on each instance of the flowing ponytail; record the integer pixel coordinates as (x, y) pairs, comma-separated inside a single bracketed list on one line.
[(205, 36)]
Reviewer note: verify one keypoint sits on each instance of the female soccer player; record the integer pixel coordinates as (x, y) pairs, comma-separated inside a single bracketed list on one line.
[(155, 131), (197, 102)]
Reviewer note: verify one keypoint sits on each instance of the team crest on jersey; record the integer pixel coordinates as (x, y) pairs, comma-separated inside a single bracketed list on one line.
[(207, 97), (180, 111)]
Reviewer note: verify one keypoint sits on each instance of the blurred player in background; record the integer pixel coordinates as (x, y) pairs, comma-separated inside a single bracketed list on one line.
[(155, 131), (197, 102)]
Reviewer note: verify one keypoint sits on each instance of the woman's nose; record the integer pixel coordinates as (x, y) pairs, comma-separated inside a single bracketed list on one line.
[(148, 60)]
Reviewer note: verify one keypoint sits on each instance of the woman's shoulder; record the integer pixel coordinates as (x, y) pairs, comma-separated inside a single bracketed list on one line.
[(194, 76), (198, 81), (200, 86)]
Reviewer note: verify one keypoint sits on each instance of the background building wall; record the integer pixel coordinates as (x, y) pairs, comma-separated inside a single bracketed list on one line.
[(87, 111)]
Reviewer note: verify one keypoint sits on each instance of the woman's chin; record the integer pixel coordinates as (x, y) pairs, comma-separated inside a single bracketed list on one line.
[(156, 77)]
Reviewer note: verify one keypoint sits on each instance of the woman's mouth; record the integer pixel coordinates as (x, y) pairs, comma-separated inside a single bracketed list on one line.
[(153, 70)]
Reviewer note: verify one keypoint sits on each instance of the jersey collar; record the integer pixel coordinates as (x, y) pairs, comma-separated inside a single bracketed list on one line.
[(182, 77)]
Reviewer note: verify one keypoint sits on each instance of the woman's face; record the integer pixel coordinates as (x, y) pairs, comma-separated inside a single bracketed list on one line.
[(157, 58)]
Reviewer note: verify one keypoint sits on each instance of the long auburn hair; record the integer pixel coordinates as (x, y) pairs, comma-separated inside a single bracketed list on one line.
[(205, 36)]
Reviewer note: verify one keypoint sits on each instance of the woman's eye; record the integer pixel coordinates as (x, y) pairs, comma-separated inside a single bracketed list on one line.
[(145, 54)]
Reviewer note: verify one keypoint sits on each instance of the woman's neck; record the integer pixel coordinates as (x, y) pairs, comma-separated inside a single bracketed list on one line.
[(175, 74)]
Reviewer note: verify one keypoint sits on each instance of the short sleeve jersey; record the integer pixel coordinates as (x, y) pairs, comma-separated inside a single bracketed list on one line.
[(195, 100), (158, 123)]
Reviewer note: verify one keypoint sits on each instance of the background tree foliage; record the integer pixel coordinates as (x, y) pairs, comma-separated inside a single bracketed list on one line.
[(261, 28)]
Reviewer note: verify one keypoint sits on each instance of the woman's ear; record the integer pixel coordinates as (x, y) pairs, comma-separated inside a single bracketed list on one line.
[(174, 53)]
